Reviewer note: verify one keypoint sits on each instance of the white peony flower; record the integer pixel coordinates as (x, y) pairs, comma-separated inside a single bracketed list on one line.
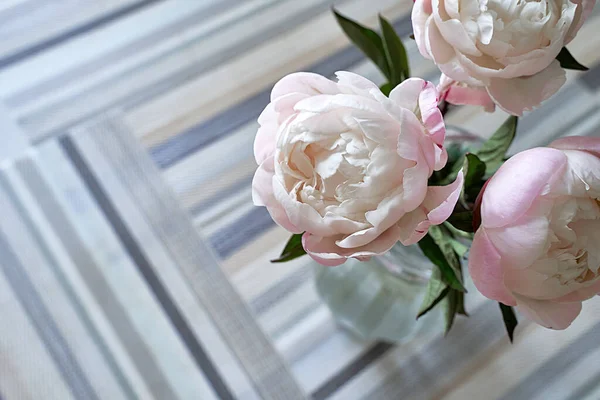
[(349, 166), (507, 47)]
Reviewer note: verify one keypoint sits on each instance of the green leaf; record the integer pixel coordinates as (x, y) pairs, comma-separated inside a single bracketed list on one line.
[(457, 232), (474, 170), (462, 220), (459, 248), (395, 53), (437, 257), (293, 249), (460, 306), (386, 88), (456, 159), (443, 238), (510, 320), (436, 291), (367, 40), (567, 61), (494, 149), (451, 305), (455, 151)]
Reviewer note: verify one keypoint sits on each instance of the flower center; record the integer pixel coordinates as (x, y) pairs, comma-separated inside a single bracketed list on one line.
[(577, 231), (511, 27)]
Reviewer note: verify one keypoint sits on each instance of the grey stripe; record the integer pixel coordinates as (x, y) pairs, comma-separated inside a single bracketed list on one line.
[(591, 78), (97, 285), (419, 376), (45, 326), (183, 76), (585, 390), (553, 368), (147, 271), (230, 314), (372, 354), (205, 133), (135, 47), (236, 187), (74, 300), (63, 37)]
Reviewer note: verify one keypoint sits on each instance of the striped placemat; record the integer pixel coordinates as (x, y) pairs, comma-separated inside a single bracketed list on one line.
[(132, 262)]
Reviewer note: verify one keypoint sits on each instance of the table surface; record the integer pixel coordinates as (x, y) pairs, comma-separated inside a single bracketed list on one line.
[(133, 264)]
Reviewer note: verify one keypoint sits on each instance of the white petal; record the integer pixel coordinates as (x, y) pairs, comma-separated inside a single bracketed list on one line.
[(526, 93)]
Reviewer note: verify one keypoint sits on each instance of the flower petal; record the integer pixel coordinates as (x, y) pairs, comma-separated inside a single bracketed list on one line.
[(328, 103), (262, 195), (320, 250), (581, 294), (301, 215), (354, 81), (583, 143), (522, 242), (325, 251), (583, 11), (441, 200), (266, 136), (583, 175), (547, 313), (470, 95), (440, 50), (413, 226), (407, 93), (430, 113), (421, 13), (514, 187), (454, 33), (485, 268), (304, 82), (415, 185), (521, 94)]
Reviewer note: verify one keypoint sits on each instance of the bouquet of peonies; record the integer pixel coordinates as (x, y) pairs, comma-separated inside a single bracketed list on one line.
[(350, 168)]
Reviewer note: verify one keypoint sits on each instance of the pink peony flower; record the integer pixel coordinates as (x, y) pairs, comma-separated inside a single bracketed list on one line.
[(537, 246), (349, 166)]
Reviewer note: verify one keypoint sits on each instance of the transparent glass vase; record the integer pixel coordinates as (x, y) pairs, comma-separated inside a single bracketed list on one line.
[(380, 299)]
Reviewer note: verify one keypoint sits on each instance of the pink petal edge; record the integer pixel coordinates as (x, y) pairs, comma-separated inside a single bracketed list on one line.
[(485, 268)]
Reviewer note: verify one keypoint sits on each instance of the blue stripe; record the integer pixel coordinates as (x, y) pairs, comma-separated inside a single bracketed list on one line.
[(79, 30), (230, 238), (38, 314), (190, 141)]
